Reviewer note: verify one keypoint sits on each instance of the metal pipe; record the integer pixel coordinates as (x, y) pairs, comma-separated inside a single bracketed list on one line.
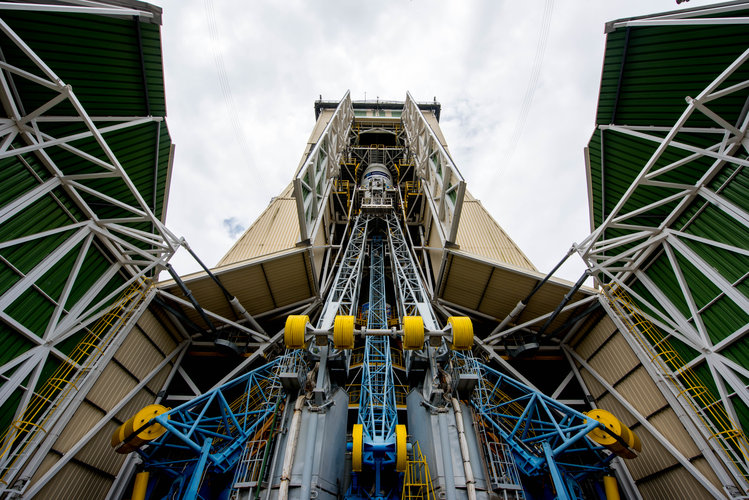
[(239, 308), (141, 485), (611, 488), (309, 453), (521, 305), (561, 305), (446, 458), (288, 457), (231, 299), (186, 291), (470, 481)]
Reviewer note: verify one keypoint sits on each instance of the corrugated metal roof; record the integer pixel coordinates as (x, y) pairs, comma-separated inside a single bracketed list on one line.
[(277, 229), (479, 234), (260, 284), (494, 289)]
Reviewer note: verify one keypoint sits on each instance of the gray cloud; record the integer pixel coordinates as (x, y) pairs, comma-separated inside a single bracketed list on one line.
[(475, 56)]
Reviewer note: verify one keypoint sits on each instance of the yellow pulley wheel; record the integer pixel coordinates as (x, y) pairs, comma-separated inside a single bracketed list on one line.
[(413, 332), (357, 449), (618, 437), (343, 332), (401, 449), (462, 332), (293, 333), (137, 429)]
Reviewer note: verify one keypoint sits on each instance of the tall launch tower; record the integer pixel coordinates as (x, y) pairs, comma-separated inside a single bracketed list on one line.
[(374, 334)]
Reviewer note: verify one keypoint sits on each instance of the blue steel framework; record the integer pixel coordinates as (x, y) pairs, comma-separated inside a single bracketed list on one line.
[(543, 435), (207, 436), (378, 414)]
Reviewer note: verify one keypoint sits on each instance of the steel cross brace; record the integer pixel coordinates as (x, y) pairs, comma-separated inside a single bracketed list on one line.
[(209, 432), (541, 432)]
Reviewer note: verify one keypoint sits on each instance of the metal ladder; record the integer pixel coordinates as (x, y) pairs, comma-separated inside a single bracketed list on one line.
[(253, 463), (686, 384), (40, 414), (502, 470), (417, 483)]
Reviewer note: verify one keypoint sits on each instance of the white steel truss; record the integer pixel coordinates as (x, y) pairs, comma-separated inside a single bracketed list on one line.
[(624, 259), (343, 296), (413, 299), (443, 184), (132, 252), (313, 181)]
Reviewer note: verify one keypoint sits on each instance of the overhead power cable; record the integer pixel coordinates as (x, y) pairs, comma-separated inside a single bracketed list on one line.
[(223, 79), (532, 80)]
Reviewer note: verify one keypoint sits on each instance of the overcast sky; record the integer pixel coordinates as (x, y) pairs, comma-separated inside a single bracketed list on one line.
[(518, 83)]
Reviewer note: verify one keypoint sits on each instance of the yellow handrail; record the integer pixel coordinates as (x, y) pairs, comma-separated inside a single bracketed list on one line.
[(710, 411), (43, 403), (418, 483)]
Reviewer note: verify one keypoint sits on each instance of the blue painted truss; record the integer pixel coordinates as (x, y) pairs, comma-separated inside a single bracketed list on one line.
[(206, 436), (544, 435)]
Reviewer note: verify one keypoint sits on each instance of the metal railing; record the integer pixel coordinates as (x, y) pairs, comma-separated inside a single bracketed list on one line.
[(687, 385), (38, 416), (417, 483)]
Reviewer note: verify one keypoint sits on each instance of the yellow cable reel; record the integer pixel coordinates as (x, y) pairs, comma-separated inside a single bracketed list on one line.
[(139, 423), (357, 449), (343, 332), (619, 439), (294, 331), (462, 332), (413, 332), (401, 448)]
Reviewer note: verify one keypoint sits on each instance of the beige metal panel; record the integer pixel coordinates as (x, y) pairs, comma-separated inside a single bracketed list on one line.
[(84, 418), (641, 392), (250, 287), (275, 230), (319, 245), (98, 452), (47, 463), (702, 465), (138, 355), (157, 382), (285, 278), (206, 292), (322, 122), (479, 234), (653, 459), (503, 293), (614, 360), (464, 285), (435, 256), (76, 481), (670, 426), (156, 332), (249, 282), (136, 403), (435, 125), (595, 387), (548, 298), (113, 384), (465, 282), (673, 484), (597, 336), (611, 404)]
